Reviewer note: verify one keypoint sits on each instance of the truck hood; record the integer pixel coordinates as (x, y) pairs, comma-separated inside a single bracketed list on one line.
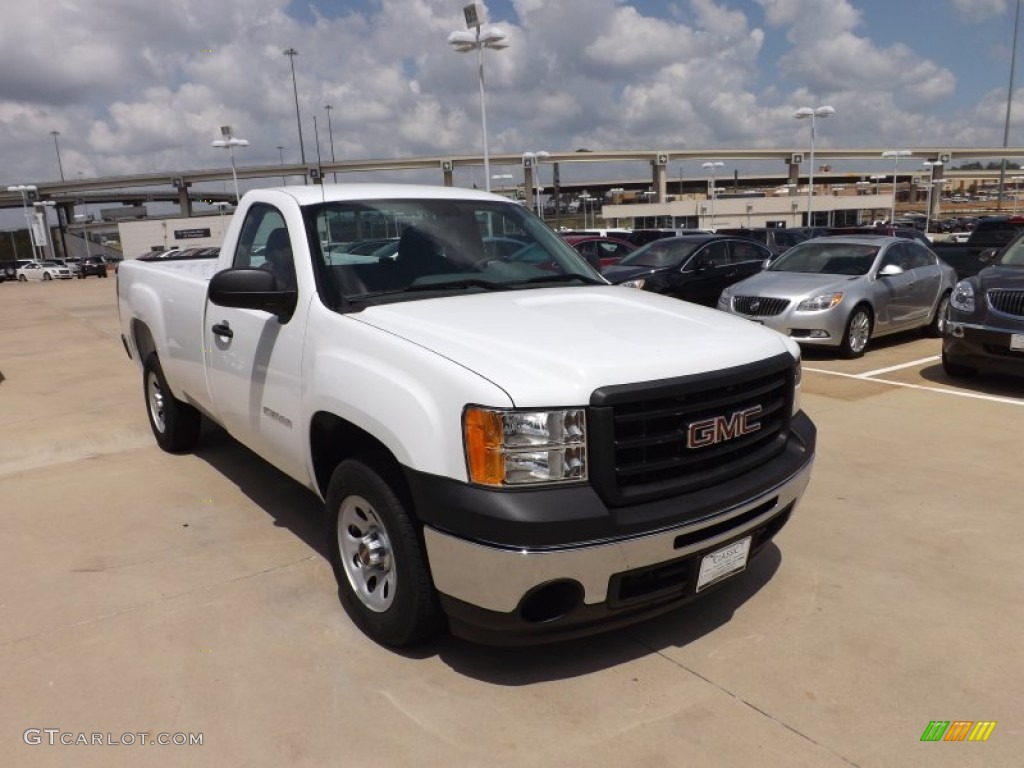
[(555, 346)]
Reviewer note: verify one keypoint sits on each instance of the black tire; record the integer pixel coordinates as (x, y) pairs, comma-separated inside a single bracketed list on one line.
[(47, 276), (937, 326), (22, 279), (103, 274), (392, 601), (858, 333), (956, 370), (176, 425)]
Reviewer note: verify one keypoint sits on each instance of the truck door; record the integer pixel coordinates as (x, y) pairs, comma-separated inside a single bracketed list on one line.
[(253, 360)]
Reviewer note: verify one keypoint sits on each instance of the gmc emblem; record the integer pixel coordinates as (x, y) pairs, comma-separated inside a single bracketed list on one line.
[(700, 434)]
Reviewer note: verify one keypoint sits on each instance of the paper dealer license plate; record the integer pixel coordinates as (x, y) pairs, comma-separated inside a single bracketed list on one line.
[(723, 563), (1017, 342)]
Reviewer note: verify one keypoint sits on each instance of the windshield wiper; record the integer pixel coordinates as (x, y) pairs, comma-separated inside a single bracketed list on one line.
[(558, 278), (489, 285)]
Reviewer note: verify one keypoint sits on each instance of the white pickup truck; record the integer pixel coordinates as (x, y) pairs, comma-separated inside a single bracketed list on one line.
[(504, 442)]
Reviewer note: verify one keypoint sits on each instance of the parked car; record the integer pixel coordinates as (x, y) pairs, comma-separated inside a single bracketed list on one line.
[(42, 270), (93, 265), (985, 326), (8, 270), (640, 237), (696, 268), (844, 291), (990, 233), (777, 239), (600, 251), (909, 233)]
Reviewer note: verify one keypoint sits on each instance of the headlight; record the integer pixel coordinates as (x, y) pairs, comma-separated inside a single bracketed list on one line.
[(798, 375), (963, 296), (506, 447), (725, 300), (819, 303), (638, 283)]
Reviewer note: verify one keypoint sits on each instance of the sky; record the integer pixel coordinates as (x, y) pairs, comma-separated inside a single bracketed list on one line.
[(138, 86)]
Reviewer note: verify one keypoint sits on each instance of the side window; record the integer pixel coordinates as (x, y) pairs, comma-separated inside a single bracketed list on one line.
[(921, 256), (714, 255), (896, 254), (742, 252), (264, 243)]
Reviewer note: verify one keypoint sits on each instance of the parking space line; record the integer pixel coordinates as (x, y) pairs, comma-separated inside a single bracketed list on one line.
[(956, 392), (911, 364)]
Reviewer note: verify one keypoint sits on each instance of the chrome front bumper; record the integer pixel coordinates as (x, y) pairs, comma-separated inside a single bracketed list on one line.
[(497, 579)]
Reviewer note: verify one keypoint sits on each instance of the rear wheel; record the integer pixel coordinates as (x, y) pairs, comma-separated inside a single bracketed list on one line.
[(379, 559), (956, 370), (937, 326), (176, 425), (858, 333), (22, 279)]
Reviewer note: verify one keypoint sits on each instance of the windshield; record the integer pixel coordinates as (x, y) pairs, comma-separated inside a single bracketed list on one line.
[(1014, 255), (429, 247), (825, 257), (669, 252)]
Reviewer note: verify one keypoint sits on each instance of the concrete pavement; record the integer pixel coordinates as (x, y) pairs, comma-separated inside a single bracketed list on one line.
[(143, 592)]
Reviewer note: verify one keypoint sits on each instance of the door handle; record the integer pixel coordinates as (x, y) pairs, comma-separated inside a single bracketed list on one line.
[(222, 329)]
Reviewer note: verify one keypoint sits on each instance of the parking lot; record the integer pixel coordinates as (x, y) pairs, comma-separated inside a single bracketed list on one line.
[(148, 593)]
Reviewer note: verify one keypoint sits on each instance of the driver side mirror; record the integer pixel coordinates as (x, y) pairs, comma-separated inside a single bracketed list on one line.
[(252, 289), (988, 255), (890, 270)]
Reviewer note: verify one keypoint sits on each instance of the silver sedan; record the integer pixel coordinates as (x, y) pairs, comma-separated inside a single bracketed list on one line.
[(843, 291)]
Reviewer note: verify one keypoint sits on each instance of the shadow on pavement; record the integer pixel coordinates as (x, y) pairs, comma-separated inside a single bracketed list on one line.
[(289, 504), (994, 384)]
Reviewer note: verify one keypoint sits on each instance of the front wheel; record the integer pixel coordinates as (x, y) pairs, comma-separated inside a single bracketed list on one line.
[(937, 326), (22, 279), (858, 333), (378, 557), (176, 425), (47, 276)]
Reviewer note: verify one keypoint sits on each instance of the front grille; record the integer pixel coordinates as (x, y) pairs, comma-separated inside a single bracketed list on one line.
[(759, 306), (639, 433), (1006, 301)]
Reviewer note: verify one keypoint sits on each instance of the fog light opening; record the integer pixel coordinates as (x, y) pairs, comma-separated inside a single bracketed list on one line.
[(551, 601)]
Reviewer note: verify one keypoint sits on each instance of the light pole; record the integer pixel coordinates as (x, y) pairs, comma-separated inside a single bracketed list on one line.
[(1009, 104), (24, 189), (330, 132), (280, 151), (84, 219), (895, 154), (291, 53), (221, 205), (680, 181), (930, 165), (800, 114), (56, 146), (710, 166), (229, 142), (1016, 191), (464, 42), (533, 160)]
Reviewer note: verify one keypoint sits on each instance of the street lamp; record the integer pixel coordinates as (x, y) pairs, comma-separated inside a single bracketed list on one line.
[(291, 53), (464, 42), (229, 143), (83, 218), (56, 146), (330, 132), (24, 189), (930, 165), (221, 205), (710, 166), (895, 154), (533, 160), (801, 114)]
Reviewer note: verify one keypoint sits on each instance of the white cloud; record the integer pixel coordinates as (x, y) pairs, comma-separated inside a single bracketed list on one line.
[(973, 11)]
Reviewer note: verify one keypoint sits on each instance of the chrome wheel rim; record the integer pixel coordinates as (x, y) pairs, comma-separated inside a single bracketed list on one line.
[(155, 398), (365, 549), (860, 328)]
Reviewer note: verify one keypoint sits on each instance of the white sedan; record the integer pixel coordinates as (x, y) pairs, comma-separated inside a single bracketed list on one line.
[(42, 270)]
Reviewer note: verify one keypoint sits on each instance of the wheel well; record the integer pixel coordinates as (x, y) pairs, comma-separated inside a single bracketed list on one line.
[(144, 343), (869, 308), (332, 440)]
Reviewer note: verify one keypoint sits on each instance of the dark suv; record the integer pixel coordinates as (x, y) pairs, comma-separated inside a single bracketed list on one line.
[(94, 265), (778, 239)]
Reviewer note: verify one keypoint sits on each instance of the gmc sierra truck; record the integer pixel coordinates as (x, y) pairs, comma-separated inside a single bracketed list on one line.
[(505, 444)]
